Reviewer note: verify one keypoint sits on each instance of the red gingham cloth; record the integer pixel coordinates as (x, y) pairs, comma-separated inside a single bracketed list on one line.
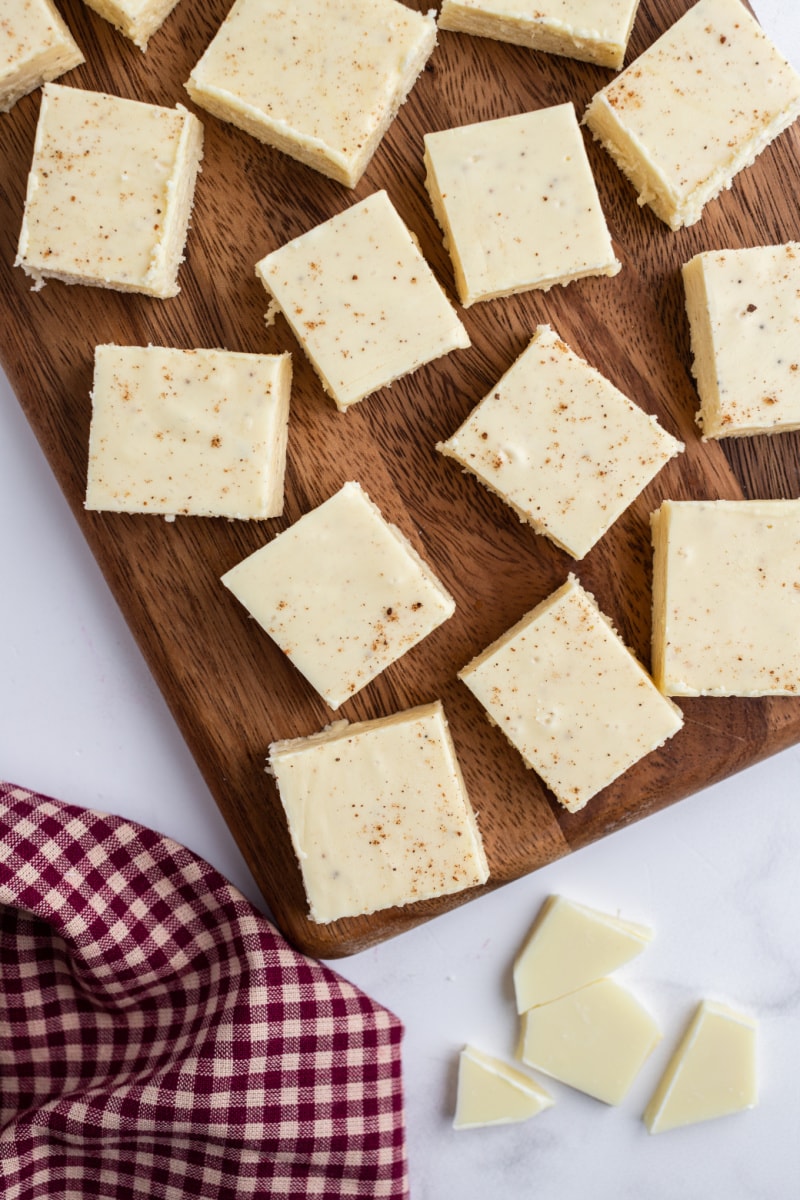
[(159, 1039)]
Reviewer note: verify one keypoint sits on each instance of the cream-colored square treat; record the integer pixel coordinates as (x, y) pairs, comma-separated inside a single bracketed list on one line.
[(136, 19), (561, 445), (699, 105), (378, 814), (318, 79), (361, 300), (570, 696), (35, 47), (726, 597), (342, 592), (196, 432), (518, 205), (591, 30), (110, 192), (744, 315)]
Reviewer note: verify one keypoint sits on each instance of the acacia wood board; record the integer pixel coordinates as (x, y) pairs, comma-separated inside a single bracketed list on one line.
[(231, 690)]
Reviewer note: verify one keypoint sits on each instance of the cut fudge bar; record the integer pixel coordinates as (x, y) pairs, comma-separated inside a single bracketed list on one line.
[(110, 191), (378, 814), (196, 432), (699, 105), (35, 47)]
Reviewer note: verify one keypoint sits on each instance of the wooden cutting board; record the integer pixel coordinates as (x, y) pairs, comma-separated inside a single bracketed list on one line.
[(231, 691)]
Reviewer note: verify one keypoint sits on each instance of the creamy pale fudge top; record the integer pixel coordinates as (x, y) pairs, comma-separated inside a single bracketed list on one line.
[(361, 300), (567, 692), (596, 1039), (342, 592), (571, 946), (712, 1073), (195, 432), (490, 1092), (699, 105), (517, 203), (726, 597), (35, 46), (378, 814), (109, 192), (560, 444), (591, 30), (744, 315), (320, 80), (136, 19)]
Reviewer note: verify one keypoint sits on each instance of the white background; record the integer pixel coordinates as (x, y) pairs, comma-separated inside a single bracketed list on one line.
[(716, 876)]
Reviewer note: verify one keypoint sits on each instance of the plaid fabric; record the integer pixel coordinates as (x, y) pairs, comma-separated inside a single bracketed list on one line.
[(158, 1038)]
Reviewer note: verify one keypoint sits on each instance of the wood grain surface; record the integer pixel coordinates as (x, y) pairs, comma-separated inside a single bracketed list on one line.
[(231, 691)]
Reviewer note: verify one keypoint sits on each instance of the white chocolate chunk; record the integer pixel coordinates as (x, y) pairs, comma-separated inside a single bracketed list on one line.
[(136, 19), (712, 1072), (726, 597), (342, 592), (320, 80), (560, 444), (490, 1092), (517, 203), (196, 432), (570, 696), (590, 30), (570, 946), (595, 1039), (699, 105), (744, 315), (378, 814), (35, 47), (109, 192), (361, 300)]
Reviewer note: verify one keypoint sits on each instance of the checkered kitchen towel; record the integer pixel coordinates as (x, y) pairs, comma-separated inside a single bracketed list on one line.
[(159, 1039)]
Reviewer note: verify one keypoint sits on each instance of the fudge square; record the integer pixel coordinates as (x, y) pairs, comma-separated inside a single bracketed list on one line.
[(699, 105), (110, 192), (517, 203), (570, 696), (361, 300), (561, 445), (136, 19), (726, 597), (590, 30), (342, 592), (744, 315), (378, 814), (195, 432), (318, 79), (36, 47)]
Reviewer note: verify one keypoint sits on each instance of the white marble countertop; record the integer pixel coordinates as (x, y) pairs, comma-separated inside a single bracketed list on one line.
[(716, 876)]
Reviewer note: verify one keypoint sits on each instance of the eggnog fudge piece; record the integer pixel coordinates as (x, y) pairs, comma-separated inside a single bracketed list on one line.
[(110, 191), (517, 203), (570, 946), (35, 47), (318, 79), (712, 1073), (595, 1039), (744, 314), (699, 105), (570, 696), (342, 592), (378, 814), (136, 19), (726, 597), (561, 445), (196, 432), (490, 1092), (591, 30), (361, 300)]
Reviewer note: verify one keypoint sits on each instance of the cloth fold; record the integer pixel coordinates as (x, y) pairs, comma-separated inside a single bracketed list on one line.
[(160, 1039)]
